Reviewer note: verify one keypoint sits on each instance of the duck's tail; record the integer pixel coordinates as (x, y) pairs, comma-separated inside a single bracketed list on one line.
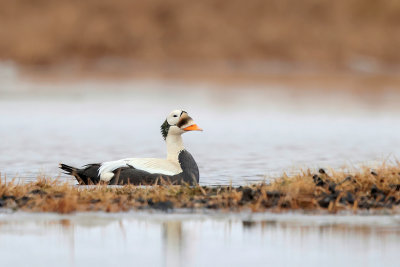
[(87, 175), (68, 169)]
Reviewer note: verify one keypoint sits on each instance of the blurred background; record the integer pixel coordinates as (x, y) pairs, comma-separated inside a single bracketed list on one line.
[(343, 34), (277, 85)]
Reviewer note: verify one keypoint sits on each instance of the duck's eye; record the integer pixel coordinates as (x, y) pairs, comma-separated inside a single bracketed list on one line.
[(175, 116)]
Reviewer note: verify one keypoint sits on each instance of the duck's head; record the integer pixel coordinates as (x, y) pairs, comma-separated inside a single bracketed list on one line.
[(177, 123)]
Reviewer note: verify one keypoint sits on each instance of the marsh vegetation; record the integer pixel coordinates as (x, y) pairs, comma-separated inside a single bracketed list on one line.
[(330, 191)]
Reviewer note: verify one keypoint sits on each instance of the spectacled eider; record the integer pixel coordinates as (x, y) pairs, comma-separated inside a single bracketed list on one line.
[(179, 166)]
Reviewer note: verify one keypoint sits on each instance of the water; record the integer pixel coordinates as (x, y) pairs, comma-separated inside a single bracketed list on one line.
[(251, 132), (198, 240)]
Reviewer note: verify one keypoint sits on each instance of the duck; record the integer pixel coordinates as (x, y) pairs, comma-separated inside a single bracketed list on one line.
[(179, 167)]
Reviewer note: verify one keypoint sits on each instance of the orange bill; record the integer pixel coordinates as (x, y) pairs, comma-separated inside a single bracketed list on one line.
[(193, 127)]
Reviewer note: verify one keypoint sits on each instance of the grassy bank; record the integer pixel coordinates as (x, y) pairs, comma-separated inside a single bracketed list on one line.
[(330, 191), (333, 33)]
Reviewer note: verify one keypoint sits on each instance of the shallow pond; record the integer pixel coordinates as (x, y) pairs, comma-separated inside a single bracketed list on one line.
[(198, 240), (251, 132)]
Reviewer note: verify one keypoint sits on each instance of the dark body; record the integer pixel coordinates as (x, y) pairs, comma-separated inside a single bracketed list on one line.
[(129, 175)]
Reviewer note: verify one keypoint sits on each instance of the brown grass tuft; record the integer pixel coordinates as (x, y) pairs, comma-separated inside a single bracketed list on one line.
[(331, 191)]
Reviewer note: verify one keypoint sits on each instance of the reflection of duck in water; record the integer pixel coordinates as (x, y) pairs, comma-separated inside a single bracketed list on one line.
[(173, 239), (178, 167)]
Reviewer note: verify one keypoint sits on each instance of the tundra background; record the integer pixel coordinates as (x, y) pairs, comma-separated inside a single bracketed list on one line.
[(319, 33)]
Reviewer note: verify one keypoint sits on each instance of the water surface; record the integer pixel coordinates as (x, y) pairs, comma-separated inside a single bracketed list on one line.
[(198, 240), (251, 132)]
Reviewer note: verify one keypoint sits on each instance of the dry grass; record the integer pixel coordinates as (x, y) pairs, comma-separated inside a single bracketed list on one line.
[(337, 191)]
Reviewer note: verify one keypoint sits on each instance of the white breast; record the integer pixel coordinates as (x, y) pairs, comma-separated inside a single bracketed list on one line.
[(151, 165)]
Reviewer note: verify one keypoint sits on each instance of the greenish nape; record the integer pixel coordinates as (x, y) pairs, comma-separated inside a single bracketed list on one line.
[(164, 129)]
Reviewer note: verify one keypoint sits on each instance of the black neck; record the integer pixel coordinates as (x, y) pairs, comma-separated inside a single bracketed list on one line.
[(190, 171)]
